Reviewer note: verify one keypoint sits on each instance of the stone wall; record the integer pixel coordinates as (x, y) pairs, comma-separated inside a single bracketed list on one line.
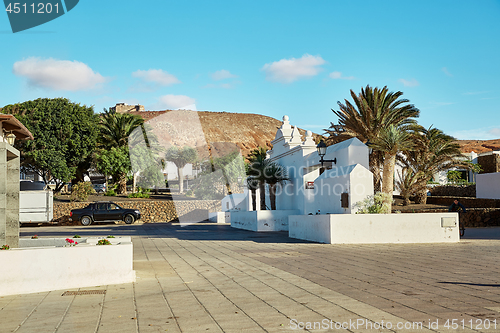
[(475, 217), (467, 202), (489, 163), (454, 190), (152, 211)]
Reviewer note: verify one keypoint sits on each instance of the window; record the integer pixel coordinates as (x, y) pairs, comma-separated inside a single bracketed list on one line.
[(113, 206), (101, 206)]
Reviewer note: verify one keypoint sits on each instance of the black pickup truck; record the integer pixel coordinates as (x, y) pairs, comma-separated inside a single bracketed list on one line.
[(104, 211)]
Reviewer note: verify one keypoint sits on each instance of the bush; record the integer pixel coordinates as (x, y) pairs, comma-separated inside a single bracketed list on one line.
[(374, 204), (81, 191), (110, 193), (141, 193)]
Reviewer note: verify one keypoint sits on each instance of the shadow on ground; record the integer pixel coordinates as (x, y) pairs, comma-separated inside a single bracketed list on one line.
[(195, 231)]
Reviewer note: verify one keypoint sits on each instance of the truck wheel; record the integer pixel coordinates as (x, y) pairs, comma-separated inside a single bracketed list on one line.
[(129, 219), (85, 220)]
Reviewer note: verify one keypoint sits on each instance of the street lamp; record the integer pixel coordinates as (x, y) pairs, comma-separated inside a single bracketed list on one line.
[(11, 138), (321, 147)]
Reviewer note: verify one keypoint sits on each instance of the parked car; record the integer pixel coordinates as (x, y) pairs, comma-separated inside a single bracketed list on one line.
[(104, 211), (99, 188)]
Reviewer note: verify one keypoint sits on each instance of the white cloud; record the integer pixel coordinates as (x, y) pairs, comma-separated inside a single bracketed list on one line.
[(445, 71), (476, 92), (156, 76), (487, 133), (495, 132), (58, 74), (338, 75), (409, 83), (222, 75), (176, 102), (290, 70)]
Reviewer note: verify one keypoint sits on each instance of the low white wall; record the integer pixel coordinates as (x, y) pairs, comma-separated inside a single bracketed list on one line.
[(375, 228), (262, 220), (488, 185), (61, 242), (31, 270), (220, 217)]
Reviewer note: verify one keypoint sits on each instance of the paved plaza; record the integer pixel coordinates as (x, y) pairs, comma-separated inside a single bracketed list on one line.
[(212, 278)]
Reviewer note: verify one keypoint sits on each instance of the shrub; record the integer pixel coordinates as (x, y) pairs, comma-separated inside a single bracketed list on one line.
[(110, 193), (141, 193), (77, 236), (81, 191), (103, 242), (374, 204), (5, 247)]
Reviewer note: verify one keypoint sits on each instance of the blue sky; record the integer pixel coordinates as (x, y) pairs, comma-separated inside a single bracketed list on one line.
[(267, 57)]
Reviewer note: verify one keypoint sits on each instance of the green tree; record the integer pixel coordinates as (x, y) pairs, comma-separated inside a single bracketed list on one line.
[(274, 174), (410, 182), (116, 128), (65, 135), (115, 131), (146, 162), (180, 157), (232, 167), (435, 151), (114, 161), (373, 111), (256, 178), (391, 140)]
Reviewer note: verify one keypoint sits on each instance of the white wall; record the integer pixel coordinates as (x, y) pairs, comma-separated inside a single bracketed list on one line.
[(355, 180), (488, 185), (236, 201), (32, 270), (262, 220), (376, 228)]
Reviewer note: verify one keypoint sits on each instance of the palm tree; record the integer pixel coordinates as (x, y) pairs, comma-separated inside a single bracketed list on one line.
[(373, 111), (435, 152), (115, 129), (410, 182), (391, 140), (180, 157), (274, 174), (255, 173)]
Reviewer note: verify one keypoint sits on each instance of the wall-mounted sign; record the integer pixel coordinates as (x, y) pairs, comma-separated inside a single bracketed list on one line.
[(309, 185)]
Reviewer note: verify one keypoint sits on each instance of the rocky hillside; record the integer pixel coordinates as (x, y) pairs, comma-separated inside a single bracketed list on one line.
[(479, 146), (245, 130)]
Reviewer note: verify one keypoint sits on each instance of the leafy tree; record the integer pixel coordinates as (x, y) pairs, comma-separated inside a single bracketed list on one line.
[(115, 129), (232, 168), (180, 157), (391, 140), (144, 151), (65, 135), (373, 111), (114, 161)]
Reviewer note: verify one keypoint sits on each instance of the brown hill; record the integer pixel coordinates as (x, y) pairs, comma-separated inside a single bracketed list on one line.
[(479, 146), (248, 131)]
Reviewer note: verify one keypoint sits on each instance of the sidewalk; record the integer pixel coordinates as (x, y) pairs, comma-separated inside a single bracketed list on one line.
[(211, 278)]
